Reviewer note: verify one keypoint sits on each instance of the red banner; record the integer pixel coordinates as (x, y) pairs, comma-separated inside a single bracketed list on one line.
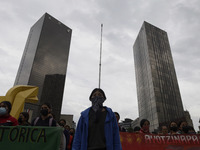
[(139, 141)]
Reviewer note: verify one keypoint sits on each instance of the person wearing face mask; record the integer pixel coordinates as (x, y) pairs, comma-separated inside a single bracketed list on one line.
[(71, 132), (62, 123), (144, 124), (23, 119), (173, 128), (183, 127), (5, 118), (97, 128), (45, 119)]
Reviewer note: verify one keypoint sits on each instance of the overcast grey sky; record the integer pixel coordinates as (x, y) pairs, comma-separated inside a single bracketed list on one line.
[(122, 21)]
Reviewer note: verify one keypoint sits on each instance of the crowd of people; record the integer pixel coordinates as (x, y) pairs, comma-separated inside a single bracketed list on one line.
[(97, 129), (173, 128), (45, 119)]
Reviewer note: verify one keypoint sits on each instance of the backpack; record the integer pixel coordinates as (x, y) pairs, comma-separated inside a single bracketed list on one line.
[(50, 121)]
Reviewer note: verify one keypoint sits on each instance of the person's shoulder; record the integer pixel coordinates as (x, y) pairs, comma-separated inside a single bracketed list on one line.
[(85, 112), (54, 123), (11, 118), (108, 109), (34, 121), (53, 120), (110, 113)]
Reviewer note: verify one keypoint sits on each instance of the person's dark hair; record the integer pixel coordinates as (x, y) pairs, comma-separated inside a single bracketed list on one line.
[(116, 113), (136, 129), (63, 120), (180, 122), (171, 123), (48, 105), (67, 126), (97, 89), (8, 104), (25, 114), (163, 126), (143, 121)]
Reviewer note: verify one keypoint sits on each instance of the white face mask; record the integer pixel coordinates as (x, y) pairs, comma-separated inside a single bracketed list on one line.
[(2, 110)]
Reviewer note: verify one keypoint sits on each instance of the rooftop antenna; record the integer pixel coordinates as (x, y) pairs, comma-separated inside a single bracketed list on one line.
[(100, 56)]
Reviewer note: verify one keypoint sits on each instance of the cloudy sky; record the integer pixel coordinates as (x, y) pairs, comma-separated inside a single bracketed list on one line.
[(122, 21)]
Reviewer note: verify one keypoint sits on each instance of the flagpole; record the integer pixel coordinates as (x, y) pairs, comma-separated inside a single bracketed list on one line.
[(100, 56)]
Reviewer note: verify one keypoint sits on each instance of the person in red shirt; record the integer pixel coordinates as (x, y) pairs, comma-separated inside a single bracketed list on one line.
[(5, 118), (71, 132), (144, 124)]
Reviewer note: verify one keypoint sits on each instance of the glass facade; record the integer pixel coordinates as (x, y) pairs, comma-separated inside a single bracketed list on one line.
[(46, 53), (159, 98)]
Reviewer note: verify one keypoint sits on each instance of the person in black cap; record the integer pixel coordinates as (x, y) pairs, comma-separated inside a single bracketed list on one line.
[(97, 128), (5, 118)]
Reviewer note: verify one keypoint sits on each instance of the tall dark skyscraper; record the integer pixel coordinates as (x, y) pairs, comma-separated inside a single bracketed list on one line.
[(44, 62), (159, 98)]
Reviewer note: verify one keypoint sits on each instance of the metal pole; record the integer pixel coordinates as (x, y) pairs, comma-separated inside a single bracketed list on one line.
[(100, 56)]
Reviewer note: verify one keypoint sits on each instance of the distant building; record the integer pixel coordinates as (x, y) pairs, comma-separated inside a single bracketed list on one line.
[(159, 98), (69, 120), (44, 62), (53, 92), (135, 123), (126, 123)]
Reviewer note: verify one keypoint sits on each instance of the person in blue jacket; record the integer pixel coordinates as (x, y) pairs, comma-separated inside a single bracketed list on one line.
[(97, 127)]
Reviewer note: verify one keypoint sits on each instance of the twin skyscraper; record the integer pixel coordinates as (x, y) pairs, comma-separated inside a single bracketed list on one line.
[(158, 94), (44, 62), (45, 58)]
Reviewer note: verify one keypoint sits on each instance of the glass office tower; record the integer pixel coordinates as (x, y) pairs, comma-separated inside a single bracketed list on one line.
[(44, 62), (159, 98)]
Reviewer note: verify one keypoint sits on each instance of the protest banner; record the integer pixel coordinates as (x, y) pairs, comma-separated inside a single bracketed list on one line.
[(48, 138), (30, 138), (139, 141)]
